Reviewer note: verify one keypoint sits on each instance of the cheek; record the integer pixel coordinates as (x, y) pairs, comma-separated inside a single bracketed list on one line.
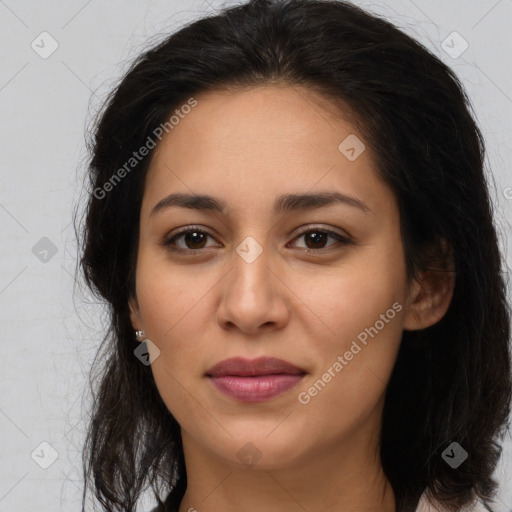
[(173, 307), (173, 310), (168, 297), (363, 310), (355, 297), (363, 306)]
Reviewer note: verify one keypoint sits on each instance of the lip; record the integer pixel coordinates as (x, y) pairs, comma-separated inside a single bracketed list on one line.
[(254, 380)]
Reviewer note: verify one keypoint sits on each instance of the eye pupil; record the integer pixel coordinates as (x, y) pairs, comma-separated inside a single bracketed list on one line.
[(318, 238), (192, 237)]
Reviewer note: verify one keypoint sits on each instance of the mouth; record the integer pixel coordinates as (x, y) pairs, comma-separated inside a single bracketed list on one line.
[(255, 380)]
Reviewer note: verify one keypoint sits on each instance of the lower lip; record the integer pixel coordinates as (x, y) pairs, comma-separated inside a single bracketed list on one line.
[(255, 389)]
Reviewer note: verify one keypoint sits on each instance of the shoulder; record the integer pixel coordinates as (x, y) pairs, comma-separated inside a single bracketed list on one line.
[(428, 504)]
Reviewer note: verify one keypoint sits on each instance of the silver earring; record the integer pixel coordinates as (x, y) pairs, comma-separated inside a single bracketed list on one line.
[(140, 336)]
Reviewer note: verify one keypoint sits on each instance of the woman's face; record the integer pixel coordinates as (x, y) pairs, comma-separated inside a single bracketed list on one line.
[(318, 283)]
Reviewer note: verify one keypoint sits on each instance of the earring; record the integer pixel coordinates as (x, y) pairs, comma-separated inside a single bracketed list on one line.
[(140, 336)]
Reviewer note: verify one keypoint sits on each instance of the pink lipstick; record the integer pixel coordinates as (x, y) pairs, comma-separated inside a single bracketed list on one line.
[(255, 380)]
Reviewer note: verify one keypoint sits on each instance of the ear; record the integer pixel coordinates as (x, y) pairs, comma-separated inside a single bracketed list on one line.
[(430, 299), (135, 314), (431, 292)]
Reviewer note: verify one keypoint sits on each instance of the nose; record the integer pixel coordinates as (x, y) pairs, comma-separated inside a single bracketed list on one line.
[(254, 297)]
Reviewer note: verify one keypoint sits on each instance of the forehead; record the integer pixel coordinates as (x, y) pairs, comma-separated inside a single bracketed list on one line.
[(278, 116), (262, 140)]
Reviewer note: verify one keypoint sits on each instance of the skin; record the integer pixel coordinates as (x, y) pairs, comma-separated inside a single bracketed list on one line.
[(306, 307)]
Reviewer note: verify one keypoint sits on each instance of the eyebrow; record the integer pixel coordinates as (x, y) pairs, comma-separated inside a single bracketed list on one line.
[(284, 204)]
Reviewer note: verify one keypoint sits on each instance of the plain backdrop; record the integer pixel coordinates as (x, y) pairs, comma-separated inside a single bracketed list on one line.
[(48, 94)]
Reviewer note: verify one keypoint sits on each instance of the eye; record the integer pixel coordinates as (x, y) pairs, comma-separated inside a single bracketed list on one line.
[(315, 238), (193, 237)]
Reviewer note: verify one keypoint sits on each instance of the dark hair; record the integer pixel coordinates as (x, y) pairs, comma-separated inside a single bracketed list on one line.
[(451, 381)]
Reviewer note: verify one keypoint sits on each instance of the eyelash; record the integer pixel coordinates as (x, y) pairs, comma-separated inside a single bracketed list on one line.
[(168, 242)]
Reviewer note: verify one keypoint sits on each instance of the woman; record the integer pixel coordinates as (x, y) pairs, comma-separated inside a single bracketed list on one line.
[(289, 220)]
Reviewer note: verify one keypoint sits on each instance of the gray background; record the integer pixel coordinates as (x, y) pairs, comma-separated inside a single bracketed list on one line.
[(49, 338)]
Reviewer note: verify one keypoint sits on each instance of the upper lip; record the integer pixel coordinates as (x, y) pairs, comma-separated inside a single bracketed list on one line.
[(249, 367)]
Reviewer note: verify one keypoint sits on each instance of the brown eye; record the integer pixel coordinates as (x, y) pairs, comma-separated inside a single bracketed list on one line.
[(194, 239), (187, 241), (316, 239), (191, 240)]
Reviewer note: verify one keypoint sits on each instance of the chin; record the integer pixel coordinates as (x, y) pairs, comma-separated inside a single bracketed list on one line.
[(262, 451)]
